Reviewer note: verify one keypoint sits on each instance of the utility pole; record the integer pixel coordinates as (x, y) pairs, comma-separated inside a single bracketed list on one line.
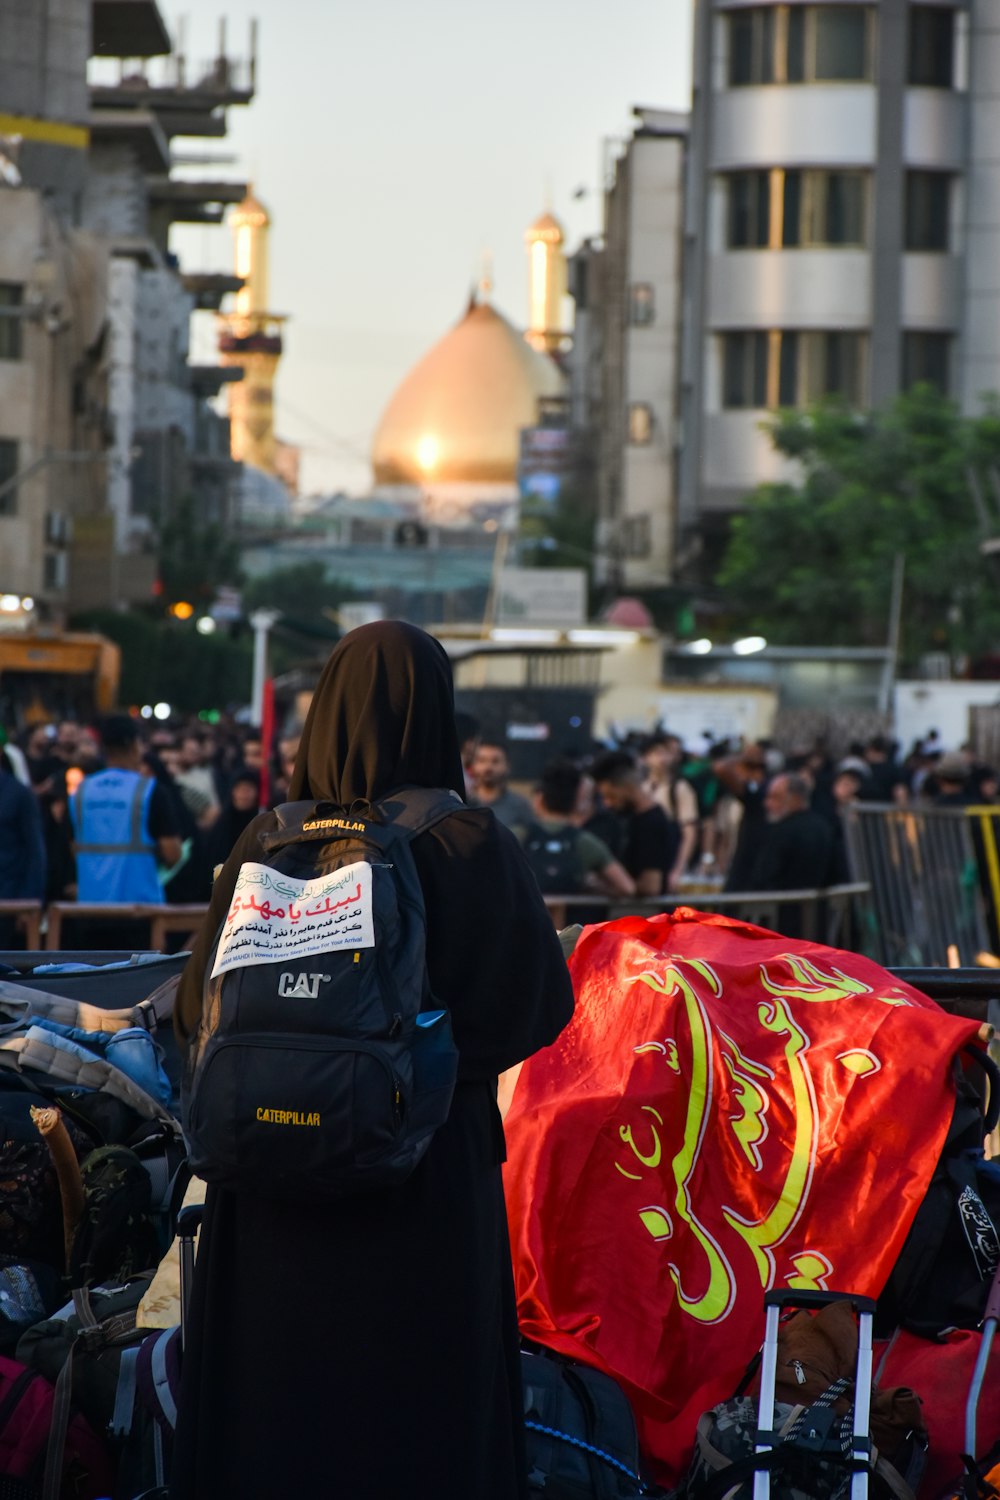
[(261, 622), (895, 628)]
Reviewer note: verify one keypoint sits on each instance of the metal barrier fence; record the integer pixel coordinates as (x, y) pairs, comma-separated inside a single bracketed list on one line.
[(821, 915), (934, 879)]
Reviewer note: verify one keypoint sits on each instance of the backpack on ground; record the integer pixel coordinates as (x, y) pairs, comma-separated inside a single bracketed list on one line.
[(942, 1275), (323, 1065), (554, 858), (32, 1468), (801, 1429), (90, 1350), (580, 1432)]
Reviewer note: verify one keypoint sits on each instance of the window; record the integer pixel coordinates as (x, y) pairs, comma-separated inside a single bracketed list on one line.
[(749, 209), (932, 46), (642, 305), (926, 358), (636, 536), (791, 368), (10, 320), (744, 369), (801, 44), (797, 208), (927, 203), (55, 570), (816, 364), (823, 208), (8, 468), (640, 423), (841, 43), (751, 46)]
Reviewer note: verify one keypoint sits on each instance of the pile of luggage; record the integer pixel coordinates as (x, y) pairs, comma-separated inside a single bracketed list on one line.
[(92, 1173), (894, 1397)]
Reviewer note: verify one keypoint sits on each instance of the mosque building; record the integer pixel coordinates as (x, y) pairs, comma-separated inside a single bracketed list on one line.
[(450, 438)]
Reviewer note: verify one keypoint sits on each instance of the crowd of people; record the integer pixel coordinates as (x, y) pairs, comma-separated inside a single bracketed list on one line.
[(132, 811), (658, 815), (129, 810), (125, 811)]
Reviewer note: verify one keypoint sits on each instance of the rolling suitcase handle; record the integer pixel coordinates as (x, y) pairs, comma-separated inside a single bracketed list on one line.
[(775, 1302), (991, 1317), (188, 1223)]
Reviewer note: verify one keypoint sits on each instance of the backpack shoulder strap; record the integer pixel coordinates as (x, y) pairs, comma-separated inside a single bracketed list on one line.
[(414, 809), (403, 815), (293, 814)]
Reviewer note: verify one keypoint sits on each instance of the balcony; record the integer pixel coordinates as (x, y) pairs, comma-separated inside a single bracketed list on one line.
[(128, 28)]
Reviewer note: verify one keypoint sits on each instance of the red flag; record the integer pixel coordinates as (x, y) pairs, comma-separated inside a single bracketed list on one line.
[(266, 743), (728, 1111)]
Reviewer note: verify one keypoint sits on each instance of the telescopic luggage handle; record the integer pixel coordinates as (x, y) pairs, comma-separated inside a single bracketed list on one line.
[(789, 1297), (991, 1318), (775, 1302), (188, 1223)]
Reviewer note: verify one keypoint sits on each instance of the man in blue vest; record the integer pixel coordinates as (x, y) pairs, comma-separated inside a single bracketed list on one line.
[(122, 822)]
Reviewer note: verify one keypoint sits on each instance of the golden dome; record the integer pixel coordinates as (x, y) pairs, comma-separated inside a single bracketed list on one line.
[(457, 415), (546, 227), (251, 211)]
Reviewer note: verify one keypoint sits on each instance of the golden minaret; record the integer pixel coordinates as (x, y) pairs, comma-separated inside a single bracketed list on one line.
[(250, 336), (546, 284)]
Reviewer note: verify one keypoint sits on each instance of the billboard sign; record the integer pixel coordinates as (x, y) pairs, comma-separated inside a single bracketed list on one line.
[(542, 596)]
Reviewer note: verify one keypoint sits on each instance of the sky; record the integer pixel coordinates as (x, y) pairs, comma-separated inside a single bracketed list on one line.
[(393, 143)]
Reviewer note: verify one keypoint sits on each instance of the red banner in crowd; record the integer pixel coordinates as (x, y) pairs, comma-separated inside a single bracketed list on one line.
[(728, 1111)]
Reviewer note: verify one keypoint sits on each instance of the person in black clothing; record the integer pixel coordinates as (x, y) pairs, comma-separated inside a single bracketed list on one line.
[(798, 849), (368, 1347), (744, 776), (886, 780), (953, 781), (238, 812), (651, 838)]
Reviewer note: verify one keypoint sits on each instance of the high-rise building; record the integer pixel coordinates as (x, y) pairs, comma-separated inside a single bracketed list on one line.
[(844, 222), (624, 366), (104, 425)]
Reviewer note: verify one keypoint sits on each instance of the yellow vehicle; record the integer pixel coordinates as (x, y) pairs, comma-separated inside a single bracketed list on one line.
[(58, 675)]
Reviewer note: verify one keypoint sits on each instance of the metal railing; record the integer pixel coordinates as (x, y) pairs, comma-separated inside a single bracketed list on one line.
[(161, 920), (934, 878), (27, 916), (817, 915)]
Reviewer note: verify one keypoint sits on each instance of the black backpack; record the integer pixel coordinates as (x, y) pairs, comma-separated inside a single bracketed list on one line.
[(323, 1065), (943, 1273), (554, 859), (580, 1432)]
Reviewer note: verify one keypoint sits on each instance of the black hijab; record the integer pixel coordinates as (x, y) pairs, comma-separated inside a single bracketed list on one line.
[(382, 717)]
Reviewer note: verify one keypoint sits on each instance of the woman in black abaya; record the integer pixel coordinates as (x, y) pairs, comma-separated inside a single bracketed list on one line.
[(368, 1348)]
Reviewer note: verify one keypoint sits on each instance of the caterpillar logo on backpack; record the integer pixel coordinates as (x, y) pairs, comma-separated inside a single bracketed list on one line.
[(305, 985)]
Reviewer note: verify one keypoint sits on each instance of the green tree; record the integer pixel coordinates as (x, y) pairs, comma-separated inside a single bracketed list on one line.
[(169, 661), (811, 562), (195, 557), (302, 592), (560, 535)]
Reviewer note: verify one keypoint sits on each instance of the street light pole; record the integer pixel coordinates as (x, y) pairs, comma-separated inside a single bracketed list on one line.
[(261, 622)]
